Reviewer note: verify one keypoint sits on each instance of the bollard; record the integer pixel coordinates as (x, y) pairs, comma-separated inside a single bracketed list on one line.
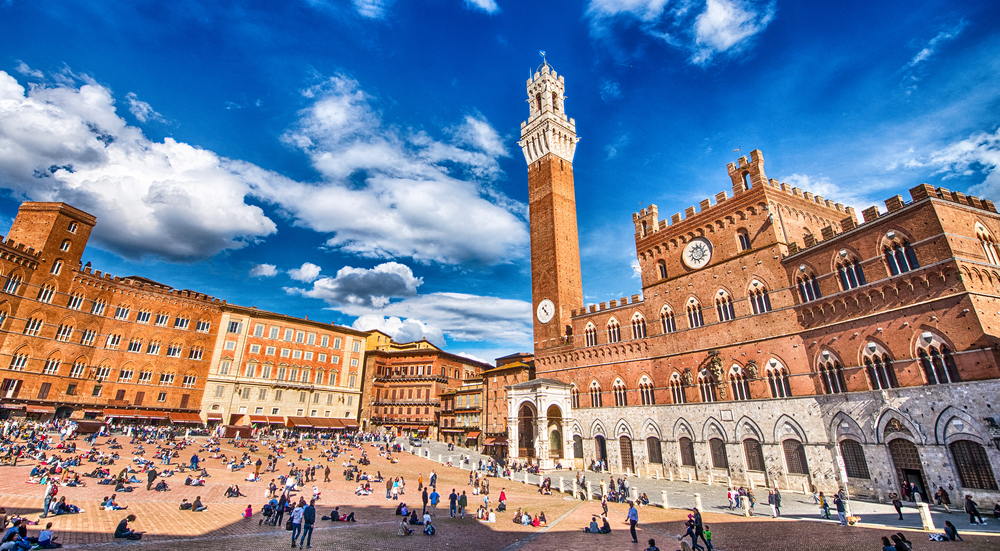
[(925, 516), (540, 480), (562, 485), (805, 489), (671, 474), (663, 498), (451, 459), (576, 488), (752, 485), (697, 501), (439, 459), (729, 481), (633, 494), (689, 478), (709, 479), (590, 491)]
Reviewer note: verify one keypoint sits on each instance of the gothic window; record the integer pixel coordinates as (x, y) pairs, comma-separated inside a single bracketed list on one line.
[(595, 395), (988, 243), (743, 239), (738, 380), (575, 397), (695, 318), (851, 274), (653, 450), (614, 331), (621, 397), (808, 288), (900, 258), (854, 459), (973, 465), (831, 373), (760, 301), (937, 360), (590, 334), (795, 457), (638, 326), (754, 455), (724, 306), (878, 365), (687, 451), (719, 459), (706, 387), (646, 392), (777, 380), (661, 267), (667, 320), (677, 389)]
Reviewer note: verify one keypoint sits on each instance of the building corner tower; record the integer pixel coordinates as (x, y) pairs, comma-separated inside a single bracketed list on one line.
[(548, 140)]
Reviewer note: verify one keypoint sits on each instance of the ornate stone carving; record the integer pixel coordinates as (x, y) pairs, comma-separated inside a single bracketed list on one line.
[(752, 371), (687, 377), (715, 366)]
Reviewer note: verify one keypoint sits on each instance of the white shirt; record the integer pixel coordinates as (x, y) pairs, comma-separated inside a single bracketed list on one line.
[(427, 518)]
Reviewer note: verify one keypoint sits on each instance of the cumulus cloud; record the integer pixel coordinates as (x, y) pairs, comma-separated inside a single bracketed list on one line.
[(429, 199), (142, 110), (402, 331), (703, 28), (307, 273), (67, 143), (488, 6), (390, 290), (977, 154), (264, 270)]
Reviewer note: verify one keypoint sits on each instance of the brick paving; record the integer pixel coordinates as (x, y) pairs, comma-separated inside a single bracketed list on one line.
[(169, 528)]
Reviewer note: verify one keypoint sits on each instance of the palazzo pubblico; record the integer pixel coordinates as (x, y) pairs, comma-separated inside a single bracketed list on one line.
[(774, 335)]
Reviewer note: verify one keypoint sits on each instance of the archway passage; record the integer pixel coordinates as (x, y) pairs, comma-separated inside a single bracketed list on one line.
[(600, 448), (554, 419), (906, 460), (625, 444), (526, 431)]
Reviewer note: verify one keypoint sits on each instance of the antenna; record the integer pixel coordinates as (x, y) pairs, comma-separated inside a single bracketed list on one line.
[(542, 53)]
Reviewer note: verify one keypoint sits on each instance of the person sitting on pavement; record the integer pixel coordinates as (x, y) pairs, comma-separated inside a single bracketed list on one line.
[(414, 519), (403, 529), (124, 532), (428, 527), (593, 528)]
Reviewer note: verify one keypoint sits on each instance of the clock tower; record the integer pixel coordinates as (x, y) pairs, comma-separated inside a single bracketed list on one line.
[(548, 140)]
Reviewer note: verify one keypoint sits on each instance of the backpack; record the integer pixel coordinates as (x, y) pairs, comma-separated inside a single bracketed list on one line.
[(429, 530)]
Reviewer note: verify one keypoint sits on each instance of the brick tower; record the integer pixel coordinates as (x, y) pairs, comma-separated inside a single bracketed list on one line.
[(548, 140)]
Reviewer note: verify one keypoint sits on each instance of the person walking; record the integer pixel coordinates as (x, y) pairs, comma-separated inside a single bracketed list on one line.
[(777, 503), (280, 510), (194, 462), (633, 519), (729, 496), (770, 501), (296, 519), (897, 504), (970, 508), (452, 502), (463, 502), (424, 497), (308, 520), (841, 509), (699, 527), (824, 506), (50, 493), (388, 488), (326, 474), (943, 499), (150, 478), (257, 465), (435, 497)]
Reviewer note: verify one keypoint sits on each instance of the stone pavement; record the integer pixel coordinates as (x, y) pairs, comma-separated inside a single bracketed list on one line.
[(169, 528)]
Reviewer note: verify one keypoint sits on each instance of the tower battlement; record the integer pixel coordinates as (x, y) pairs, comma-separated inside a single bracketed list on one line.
[(548, 130)]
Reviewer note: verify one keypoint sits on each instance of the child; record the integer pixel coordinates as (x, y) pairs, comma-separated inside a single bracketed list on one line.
[(652, 546), (708, 536)]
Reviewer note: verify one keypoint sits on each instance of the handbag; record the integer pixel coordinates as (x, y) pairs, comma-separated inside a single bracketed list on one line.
[(288, 524)]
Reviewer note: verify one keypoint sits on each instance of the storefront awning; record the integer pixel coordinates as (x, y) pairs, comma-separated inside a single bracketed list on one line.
[(498, 441), (336, 424), (451, 430), (40, 409), (98, 411), (350, 424), (258, 419), (153, 415), (185, 418), (122, 413), (320, 422), (276, 420), (299, 422), (472, 435), (422, 429), (11, 406), (215, 417)]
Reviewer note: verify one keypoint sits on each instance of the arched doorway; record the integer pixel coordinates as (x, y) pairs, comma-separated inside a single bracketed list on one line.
[(601, 448), (625, 446), (63, 412), (906, 460), (526, 431), (554, 419)]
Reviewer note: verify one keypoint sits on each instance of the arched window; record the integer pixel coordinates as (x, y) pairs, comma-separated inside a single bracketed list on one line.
[(614, 331), (595, 395), (808, 287), (753, 454), (57, 267), (621, 397), (850, 272), (878, 365), (973, 465), (937, 360), (687, 451), (653, 450), (646, 392), (695, 318), (738, 380), (795, 457), (555, 101), (760, 302), (831, 373), (746, 180), (988, 243), (677, 389), (743, 239), (638, 326), (719, 459), (854, 459), (667, 320), (538, 102), (590, 334), (661, 268), (900, 258), (575, 397), (777, 380), (706, 386), (724, 306)]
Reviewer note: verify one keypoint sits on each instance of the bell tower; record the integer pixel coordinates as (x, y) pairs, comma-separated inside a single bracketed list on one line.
[(548, 140)]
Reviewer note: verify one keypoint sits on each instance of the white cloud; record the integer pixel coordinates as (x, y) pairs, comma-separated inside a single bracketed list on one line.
[(609, 89), (488, 6), (390, 290), (979, 153), (402, 331), (142, 110), (473, 357), (264, 270), (23, 68), (371, 9), (423, 198), (613, 148), (704, 28), (932, 45), (308, 273), (67, 143)]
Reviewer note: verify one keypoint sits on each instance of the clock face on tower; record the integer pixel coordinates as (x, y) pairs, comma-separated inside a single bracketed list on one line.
[(697, 253), (545, 311)]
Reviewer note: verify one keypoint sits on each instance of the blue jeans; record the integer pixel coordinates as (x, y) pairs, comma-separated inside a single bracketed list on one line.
[(48, 501), (452, 510), (296, 530), (307, 530)]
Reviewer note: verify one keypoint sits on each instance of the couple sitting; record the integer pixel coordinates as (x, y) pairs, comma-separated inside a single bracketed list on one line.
[(335, 516), (415, 520), (234, 491), (594, 529)]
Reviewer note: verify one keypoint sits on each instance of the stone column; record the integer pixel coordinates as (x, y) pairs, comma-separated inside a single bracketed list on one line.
[(562, 485), (590, 491), (513, 444), (925, 516), (542, 442), (569, 453), (663, 498)]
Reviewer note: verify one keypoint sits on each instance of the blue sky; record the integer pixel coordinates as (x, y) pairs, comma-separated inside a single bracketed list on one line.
[(356, 162)]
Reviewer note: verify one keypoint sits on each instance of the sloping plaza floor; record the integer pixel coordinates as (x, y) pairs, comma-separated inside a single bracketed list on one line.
[(222, 526)]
